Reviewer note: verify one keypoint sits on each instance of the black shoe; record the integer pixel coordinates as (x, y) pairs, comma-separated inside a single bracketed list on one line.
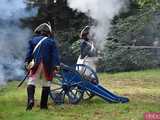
[(30, 105), (30, 93), (44, 97)]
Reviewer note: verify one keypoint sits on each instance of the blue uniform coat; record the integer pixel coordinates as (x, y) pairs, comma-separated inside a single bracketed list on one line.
[(47, 53), (85, 49)]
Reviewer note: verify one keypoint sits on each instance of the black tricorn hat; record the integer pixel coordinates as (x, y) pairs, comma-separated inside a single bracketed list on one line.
[(85, 31), (43, 27)]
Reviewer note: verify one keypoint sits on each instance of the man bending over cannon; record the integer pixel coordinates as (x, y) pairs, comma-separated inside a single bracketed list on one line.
[(42, 59)]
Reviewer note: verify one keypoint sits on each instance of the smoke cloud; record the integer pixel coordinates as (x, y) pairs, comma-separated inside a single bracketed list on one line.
[(102, 12), (13, 39)]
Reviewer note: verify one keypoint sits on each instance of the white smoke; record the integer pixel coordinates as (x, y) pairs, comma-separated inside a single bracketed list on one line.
[(102, 12), (13, 39)]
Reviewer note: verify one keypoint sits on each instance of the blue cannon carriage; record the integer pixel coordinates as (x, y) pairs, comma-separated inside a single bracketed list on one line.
[(80, 82)]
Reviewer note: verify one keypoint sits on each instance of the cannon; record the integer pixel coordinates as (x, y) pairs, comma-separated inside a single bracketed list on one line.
[(76, 83)]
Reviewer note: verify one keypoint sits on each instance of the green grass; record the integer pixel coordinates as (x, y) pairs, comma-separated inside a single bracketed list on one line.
[(142, 88)]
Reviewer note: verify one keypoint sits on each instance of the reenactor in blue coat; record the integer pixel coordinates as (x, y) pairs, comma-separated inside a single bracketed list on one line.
[(88, 51), (87, 46), (42, 59)]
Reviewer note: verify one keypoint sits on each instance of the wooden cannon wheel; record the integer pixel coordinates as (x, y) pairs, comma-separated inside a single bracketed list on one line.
[(87, 73), (65, 86)]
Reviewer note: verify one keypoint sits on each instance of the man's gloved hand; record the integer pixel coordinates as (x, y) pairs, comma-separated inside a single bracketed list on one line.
[(56, 68), (29, 64), (26, 66)]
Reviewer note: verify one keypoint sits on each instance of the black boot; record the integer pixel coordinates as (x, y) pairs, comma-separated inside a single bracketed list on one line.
[(44, 97), (30, 93)]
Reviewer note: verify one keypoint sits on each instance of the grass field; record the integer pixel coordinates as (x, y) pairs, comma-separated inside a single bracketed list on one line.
[(142, 88)]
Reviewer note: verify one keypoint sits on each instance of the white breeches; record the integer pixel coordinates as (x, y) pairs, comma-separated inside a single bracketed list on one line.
[(39, 74)]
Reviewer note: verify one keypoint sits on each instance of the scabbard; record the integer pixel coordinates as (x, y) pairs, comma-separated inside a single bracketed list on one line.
[(19, 85)]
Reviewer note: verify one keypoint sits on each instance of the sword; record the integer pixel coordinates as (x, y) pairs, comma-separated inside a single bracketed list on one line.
[(19, 85)]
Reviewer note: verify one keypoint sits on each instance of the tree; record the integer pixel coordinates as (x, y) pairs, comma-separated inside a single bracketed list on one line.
[(138, 27), (149, 3)]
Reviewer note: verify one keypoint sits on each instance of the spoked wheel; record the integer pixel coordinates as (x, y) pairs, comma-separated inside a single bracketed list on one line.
[(88, 74), (68, 88), (74, 95), (57, 95)]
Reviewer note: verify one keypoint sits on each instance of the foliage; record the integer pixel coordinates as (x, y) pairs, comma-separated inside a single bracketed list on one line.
[(150, 3), (127, 59), (140, 28), (67, 51)]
